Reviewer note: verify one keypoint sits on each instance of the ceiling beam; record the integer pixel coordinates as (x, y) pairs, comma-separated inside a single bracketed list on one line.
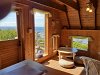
[(50, 4), (95, 7), (67, 17), (94, 3), (70, 3), (79, 15)]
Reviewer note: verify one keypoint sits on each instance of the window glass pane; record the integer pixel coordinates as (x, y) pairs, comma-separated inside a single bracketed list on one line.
[(8, 27), (39, 34), (80, 43)]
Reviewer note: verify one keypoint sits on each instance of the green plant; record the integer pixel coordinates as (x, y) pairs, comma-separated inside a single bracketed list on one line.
[(7, 34)]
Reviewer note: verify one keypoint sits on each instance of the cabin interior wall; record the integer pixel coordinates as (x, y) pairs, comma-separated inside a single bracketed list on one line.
[(54, 27), (89, 26), (27, 37), (94, 45), (98, 14)]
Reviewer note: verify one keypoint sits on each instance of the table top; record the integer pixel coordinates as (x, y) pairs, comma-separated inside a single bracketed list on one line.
[(67, 50)]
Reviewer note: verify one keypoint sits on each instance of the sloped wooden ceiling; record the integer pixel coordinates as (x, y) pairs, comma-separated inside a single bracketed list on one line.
[(76, 14)]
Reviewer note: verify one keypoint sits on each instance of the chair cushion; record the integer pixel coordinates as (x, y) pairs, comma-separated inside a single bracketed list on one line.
[(78, 60), (66, 63)]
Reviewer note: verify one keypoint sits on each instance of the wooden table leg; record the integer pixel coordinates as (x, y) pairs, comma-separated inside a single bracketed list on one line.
[(74, 55), (59, 55)]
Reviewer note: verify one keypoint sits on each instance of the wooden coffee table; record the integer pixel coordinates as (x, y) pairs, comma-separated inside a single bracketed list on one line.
[(69, 52)]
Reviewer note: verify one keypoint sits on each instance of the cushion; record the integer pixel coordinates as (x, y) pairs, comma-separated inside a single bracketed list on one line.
[(26, 67), (78, 60), (66, 63)]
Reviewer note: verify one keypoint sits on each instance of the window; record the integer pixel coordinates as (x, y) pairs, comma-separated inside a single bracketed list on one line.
[(8, 27), (39, 34), (80, 42)]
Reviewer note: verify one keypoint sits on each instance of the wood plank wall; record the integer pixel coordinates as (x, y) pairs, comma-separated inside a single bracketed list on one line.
[(98, 15), (54, 25), (82, 19), (94, 45), (9, 53), (9, 50), (89, 26)]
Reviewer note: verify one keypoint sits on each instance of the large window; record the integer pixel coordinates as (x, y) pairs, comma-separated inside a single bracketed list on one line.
[(39, 34), (8, 27)]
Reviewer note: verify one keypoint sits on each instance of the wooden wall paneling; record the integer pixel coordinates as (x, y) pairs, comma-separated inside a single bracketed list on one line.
[(87, 18), (73, 18), (46, 33), (19, 23), (79, 14), (31, 33), (93, 45), (0, 61), (26, 25), (95, 5), (71, 3), (98, 46), (9, 53), (50, 4), (27, 35), (67, 17), (52, 29), (63, 19), (64, 37), (98, 15)]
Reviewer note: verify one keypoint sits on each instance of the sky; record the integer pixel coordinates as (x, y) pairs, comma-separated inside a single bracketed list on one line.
[(39, 19), (10, 20)]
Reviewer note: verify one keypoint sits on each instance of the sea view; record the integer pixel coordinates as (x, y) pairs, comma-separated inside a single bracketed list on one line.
[(37, 29)]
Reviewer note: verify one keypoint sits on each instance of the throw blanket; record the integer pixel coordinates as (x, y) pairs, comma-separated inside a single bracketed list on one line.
[(92, 66)]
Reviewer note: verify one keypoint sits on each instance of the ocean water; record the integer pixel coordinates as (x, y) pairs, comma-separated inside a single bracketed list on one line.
[(37, 29)]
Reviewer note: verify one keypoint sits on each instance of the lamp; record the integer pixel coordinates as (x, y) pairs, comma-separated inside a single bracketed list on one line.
[(89, 6)]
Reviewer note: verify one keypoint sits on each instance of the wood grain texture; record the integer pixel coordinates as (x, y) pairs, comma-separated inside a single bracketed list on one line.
[(27, 21), (54, 68), (71, 3), (9, 53), (94, 46)]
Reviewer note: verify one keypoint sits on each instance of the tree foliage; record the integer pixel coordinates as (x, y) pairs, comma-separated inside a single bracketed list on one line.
[(8, 34)]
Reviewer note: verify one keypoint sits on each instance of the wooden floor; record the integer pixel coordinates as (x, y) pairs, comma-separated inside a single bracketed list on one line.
[(54, 68)]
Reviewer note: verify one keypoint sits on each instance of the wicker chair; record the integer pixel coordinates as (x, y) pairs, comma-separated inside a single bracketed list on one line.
[(92, 66)]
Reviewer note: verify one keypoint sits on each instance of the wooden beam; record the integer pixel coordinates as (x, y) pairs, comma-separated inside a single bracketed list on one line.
[(50, 4), (95, 9), (79, 14), (94, 3), (71, 3), (67, 17), (95, 19)]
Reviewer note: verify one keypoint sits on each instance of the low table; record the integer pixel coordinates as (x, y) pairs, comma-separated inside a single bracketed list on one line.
[(69, 52), (64, 50)]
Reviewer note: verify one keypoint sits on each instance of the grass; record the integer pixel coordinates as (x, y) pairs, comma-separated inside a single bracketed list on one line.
[(79, 45)]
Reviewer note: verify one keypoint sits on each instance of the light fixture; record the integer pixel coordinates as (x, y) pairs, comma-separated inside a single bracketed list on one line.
[(87, 9), (90, 10), (89, 6)]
